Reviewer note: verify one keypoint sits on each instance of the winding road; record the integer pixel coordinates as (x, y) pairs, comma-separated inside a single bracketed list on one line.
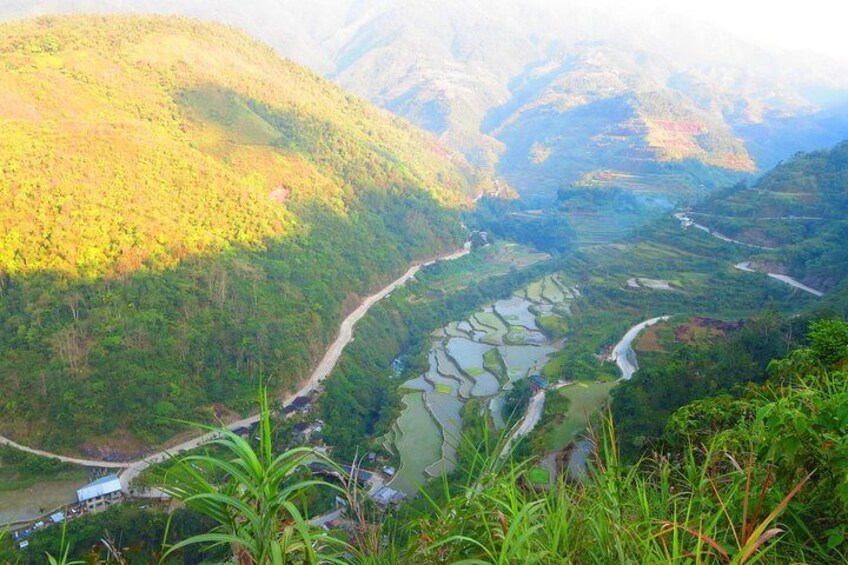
[(131, 470), (623, 353), (746, 266), (717, 235), (531, 418)]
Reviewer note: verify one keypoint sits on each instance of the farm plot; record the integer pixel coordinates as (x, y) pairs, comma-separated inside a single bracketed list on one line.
[(489, 322), (440, 382), (516, 312), (468, 356), (419, 442), (418, 383), (523, 360), (552, 291), (519, 335), (446, 410), (453, 330), (448, 369)]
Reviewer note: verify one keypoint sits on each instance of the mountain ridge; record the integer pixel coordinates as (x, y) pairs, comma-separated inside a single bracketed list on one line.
[(190, 215), (446, 66)]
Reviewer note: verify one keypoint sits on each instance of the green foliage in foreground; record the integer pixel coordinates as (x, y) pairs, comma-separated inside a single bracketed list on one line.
[(253, 498), (137, 533), (735, 491), (760, 479)]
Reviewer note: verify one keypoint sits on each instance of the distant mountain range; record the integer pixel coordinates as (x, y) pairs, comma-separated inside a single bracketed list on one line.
[(552, 94)]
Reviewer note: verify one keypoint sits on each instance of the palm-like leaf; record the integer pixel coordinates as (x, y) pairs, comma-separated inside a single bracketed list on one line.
[(252, 496)]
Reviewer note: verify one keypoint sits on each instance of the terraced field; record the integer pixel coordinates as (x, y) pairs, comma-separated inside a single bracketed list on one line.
[(480, 357), (516, 312), (445, 408), (522, 361), (419, 440)]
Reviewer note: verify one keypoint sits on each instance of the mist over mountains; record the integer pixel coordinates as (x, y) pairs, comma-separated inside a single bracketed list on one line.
[(551, 94)]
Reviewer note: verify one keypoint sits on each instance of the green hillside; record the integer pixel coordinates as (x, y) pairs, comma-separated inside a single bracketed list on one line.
[(181, 211), (798, 208)]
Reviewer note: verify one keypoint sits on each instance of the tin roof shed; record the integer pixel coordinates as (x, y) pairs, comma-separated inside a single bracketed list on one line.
[(101, 487)]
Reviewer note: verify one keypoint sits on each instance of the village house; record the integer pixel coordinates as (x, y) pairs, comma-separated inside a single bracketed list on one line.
[(300, 404), (100, 494)]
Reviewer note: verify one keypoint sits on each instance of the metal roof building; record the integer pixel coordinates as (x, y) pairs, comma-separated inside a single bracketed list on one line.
[(101, 487)]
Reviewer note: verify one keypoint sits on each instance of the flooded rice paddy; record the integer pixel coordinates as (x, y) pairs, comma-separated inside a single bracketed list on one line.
[(481, 357)]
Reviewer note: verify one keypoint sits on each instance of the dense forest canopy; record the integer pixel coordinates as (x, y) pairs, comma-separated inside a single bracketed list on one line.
[(182, 210)]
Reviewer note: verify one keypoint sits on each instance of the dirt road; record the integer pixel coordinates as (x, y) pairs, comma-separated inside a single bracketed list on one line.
[(131, 470)]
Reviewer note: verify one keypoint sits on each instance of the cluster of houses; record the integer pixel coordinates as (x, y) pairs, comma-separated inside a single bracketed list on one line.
[(108, 490), (685, 221), (307, 430), (372, 482)]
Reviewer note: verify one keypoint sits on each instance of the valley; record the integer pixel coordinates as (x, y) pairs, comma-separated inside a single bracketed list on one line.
[(483, 357), (130, 470), (403, 282)]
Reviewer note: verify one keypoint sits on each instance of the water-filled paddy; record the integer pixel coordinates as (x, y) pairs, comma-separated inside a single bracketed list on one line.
[(479, 357), (516, 312), (418, 440), (418, 383), (448, 368), (522, 360), (446, 410)]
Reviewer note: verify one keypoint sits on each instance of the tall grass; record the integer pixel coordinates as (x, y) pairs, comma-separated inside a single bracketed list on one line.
[(702, 507), (254, 497)]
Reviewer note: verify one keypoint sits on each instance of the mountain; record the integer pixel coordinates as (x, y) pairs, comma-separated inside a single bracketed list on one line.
[(184, 213), (795, 214), (553, 94)]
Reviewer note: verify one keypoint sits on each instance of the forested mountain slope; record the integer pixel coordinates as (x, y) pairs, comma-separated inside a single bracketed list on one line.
[(797, 212), (552, 93), (181, 212)]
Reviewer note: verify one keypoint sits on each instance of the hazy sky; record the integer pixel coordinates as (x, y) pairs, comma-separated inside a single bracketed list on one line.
[(810, 25)]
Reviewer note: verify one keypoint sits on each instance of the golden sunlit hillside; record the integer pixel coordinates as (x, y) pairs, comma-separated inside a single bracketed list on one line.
[(131, 142), (182, 214)]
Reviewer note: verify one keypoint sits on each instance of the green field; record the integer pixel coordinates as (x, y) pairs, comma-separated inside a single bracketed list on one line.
[(495, 260)]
